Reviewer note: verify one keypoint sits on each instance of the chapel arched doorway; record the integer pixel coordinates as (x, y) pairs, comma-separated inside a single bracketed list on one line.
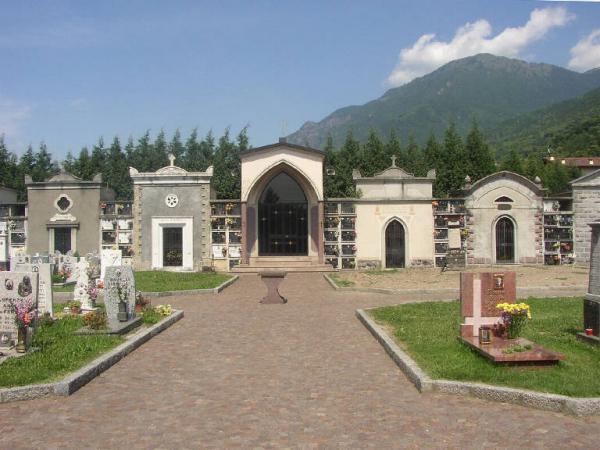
[(282, 218), (394, 245), (505, 241)]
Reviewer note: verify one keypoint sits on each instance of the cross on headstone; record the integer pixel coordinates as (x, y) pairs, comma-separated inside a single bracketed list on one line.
[(171, 159), (393, 160)]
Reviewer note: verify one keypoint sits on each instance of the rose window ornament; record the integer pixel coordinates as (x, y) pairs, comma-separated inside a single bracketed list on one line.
[(171, 200)]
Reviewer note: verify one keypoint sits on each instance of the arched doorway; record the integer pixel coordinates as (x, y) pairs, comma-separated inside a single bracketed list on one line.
[(394, 245), (282, 218), (505, 241)]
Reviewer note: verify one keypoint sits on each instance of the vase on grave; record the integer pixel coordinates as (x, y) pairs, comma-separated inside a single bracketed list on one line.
[(21, 346), (122, 314)]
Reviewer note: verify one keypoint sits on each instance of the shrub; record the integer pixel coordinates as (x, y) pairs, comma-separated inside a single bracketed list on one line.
[(96, 320)]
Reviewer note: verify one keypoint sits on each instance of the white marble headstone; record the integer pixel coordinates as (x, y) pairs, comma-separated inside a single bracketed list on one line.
[(110, 258), (14, 286), (45, 294), (80, 293)]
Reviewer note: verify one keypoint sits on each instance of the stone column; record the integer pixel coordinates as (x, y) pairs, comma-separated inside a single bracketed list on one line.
[(245, 248), (321, 244)]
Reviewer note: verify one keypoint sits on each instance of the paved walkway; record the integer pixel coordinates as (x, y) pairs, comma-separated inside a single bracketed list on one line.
[(237, 374)]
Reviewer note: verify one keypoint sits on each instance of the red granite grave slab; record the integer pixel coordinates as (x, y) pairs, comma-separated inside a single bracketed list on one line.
[(494, 351), (466, 293), (497, 287)]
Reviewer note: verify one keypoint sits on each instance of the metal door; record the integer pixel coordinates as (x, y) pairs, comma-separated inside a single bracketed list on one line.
[(394, 245), (505, 241)]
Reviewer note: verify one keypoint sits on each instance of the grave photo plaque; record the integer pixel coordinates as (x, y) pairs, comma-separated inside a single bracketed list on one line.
[(14, 286)]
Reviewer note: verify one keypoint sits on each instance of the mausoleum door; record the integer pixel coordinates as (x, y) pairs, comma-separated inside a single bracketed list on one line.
[(394, 245), (172, 246), (283, 218), (505, 241)]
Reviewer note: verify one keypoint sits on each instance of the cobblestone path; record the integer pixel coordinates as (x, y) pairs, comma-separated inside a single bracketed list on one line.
[(237, 374)]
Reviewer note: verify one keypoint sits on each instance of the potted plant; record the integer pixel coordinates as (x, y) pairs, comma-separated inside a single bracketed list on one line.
[(141, 303)]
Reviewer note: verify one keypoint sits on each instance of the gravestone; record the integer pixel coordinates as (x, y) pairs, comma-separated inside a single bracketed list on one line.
[(14, 286), (479, 295), (68, 264), (81, 293), (45, 294), (591, 301), (94, 263), (20, 258), (119, 284), (40, 259), (109, 258)]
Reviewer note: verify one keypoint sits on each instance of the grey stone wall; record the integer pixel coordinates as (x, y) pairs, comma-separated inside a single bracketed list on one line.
[(586, 208), (149, 202), (594, 286), (85, 208)]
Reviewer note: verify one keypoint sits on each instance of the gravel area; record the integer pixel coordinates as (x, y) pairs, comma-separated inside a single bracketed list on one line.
[(420, 278)]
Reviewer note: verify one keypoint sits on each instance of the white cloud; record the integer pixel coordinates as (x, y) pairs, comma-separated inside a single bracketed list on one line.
[(12, 116), (586, 53), (428, 54)]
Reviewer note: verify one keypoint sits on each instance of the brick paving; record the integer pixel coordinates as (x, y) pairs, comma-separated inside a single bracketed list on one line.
[(237, 374)]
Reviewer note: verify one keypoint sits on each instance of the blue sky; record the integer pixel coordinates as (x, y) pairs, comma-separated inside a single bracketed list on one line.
[(75, 71)]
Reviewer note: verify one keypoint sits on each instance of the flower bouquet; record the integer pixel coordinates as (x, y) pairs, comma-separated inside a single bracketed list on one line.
[(25, 315), (514, 316)]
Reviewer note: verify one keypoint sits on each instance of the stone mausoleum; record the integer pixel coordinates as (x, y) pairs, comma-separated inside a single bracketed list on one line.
[(283, 219)]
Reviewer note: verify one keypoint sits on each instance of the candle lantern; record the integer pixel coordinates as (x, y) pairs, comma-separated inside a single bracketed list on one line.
[(485, 335)]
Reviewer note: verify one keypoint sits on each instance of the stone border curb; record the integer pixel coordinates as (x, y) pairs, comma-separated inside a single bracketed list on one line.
[(579, 406), (74, 381), (454, 293), (215, 290)]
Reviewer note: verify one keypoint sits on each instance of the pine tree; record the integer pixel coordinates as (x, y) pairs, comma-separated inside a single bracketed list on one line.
[(97, 160), (82, 167), (373, 155), (413, 157), (432, 155), (348, 159), (159, 152), (176, 148), (141, 157), (116, 172), (226, 175), (452, 165), (193, 155), (43, 167), (513, 163), (7, 165), (331, 179), (480, 161), (207, 150), (393, 147)]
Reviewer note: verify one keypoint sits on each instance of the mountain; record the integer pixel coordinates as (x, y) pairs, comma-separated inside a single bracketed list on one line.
[(490, 88), (570, 128)]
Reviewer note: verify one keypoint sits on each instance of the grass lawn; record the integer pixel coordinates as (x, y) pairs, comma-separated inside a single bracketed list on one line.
[(428, 332), (60, 353), (69, 288), (157, 281), (341, 283)]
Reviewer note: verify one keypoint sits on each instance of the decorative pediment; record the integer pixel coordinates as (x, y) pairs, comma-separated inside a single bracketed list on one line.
[(63, 177), (394, 172), (171, 170)]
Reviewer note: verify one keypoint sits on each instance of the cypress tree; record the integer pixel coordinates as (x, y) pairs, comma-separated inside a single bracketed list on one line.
[(393, 147), (226, 175)]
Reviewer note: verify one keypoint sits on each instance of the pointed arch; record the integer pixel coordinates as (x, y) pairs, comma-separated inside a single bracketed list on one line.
[(394, 243)]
